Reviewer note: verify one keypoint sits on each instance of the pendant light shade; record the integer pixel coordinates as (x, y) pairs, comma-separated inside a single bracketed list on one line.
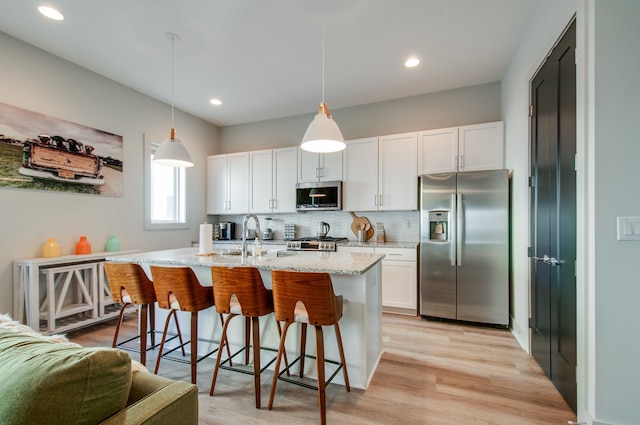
[(323, 134), (316, 193), (172, 152)]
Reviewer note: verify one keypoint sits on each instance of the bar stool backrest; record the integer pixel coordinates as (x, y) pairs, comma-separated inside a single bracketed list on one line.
[(183, 284), (246, 284), (132, 278), (314, 290)]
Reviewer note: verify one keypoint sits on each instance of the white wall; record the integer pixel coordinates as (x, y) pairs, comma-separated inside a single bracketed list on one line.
[(545, 27), (35, 80), (608, 63), (462, 106), (614, 283)]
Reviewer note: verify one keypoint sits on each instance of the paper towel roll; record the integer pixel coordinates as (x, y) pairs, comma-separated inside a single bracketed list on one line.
[(205, 244)]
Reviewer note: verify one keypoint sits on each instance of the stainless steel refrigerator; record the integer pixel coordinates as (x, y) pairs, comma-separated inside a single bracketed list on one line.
[(464, 246)]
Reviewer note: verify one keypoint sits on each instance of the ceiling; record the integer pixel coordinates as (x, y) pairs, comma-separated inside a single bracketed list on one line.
[(263, 58)]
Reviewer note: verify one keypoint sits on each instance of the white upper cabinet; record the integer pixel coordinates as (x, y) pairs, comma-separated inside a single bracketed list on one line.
[(467, 148), (398, 172), (380, 173), (313, 167), (285, 163), (360, 185), (217, 184), (261, 181), (481, 146), (228, 183), (438, 151), (273, 180)]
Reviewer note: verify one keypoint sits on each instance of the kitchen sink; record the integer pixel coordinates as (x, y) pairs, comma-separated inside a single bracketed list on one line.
[(264, 254), (236, 252)]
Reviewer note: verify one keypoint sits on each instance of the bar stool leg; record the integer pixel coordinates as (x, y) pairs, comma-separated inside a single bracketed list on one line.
[(194, 346), (286, 361), (322, 402), (255, 324), (115, 336), (276, 371), (247, 336), (303, 347), (152, 324), (344, 362), (227, 342), (164, 337), (143, 333), (223, 342)]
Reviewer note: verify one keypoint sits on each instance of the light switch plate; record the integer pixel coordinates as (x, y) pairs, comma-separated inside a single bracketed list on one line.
[(628, 228)]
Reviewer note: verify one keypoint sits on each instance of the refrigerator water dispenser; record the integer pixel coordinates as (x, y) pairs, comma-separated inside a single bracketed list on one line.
[(438, 226)]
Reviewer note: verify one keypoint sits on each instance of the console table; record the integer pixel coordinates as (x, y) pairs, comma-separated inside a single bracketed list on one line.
[(85, 271)]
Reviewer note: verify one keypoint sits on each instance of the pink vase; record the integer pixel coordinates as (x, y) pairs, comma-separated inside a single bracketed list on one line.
[(83, 246)]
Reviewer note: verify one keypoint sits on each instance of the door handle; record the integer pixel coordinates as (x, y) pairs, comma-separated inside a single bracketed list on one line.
[(552, 261), (453, 232), (460, 231)]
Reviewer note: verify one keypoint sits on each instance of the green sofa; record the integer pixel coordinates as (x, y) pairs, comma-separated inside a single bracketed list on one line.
[(42, 382)]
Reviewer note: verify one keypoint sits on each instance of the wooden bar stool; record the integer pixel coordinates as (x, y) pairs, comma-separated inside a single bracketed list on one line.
[(178, 288), (129, 285), (307, 298), (239, 291)]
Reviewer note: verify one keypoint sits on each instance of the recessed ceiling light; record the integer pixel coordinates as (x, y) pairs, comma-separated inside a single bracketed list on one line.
[(412, 62), (51, 13), (215, 102)]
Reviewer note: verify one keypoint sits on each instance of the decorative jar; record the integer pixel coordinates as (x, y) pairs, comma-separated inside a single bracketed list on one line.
[(83, 246), (51, 248), (113, 244)]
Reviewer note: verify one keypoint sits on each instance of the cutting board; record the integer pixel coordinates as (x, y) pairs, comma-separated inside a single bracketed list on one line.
[(361, 223)]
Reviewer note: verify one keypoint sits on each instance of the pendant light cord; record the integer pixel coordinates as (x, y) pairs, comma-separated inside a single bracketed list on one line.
[(323, 60), (173, 37)]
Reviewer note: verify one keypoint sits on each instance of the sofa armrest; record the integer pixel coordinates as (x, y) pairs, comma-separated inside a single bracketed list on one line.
[(154, 400)]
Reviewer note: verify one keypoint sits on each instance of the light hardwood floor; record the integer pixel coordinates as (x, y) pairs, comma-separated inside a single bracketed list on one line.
[(431, 372)]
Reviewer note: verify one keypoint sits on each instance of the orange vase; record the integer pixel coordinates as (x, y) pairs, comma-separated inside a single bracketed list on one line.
[(83, 246)]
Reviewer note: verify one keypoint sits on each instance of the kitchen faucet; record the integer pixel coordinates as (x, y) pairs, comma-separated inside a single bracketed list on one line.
[(244, 232)]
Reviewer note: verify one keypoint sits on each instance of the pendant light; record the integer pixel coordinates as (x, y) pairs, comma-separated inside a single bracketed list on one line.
[(316, 193), (172, 152), (323, 134)]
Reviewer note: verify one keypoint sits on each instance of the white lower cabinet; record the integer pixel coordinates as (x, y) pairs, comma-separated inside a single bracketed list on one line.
[(399, 280), (356, 249), (399, 277)]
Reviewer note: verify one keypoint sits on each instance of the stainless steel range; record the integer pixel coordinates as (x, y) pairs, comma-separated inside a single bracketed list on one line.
[(315, 244)]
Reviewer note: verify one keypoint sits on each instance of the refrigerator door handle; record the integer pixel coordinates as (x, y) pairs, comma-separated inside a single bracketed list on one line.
[(454, 231), (459, 230)]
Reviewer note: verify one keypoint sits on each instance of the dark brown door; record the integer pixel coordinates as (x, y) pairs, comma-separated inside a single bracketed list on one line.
[(553, 226)]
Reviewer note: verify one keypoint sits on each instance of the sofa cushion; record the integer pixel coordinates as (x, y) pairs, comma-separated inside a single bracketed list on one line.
[(43, 382)]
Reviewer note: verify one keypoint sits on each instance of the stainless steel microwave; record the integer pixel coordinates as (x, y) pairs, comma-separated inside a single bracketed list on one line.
[(319, 196)]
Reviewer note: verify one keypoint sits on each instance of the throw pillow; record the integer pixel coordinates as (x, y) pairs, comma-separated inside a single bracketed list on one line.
[(47, 383)]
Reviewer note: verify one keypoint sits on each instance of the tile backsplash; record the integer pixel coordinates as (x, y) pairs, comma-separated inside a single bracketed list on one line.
[(399, 226)]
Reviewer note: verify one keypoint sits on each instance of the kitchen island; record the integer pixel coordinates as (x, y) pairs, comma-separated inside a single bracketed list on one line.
[(355, 276)]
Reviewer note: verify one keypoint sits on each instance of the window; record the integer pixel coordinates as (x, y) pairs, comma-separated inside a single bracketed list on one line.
[(165, 191)]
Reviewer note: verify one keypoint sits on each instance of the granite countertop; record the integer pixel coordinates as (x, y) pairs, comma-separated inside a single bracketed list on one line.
[(373, 244), (303, 261), (350, 243), (250, 241)]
